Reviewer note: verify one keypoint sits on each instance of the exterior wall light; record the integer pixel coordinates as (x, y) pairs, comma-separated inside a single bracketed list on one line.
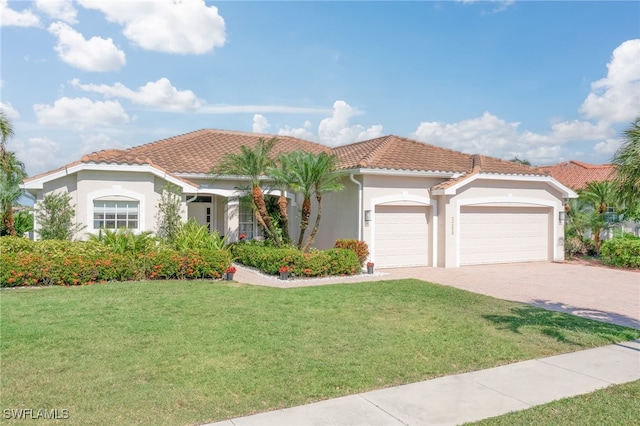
[(367, 215), (561, 215)]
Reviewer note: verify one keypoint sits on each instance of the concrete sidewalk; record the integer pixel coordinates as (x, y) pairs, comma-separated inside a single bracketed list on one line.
[(468, 397)]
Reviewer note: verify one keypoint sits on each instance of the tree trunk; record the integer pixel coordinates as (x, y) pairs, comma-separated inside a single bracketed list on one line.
[(316, 225), (304, 220), (283, 203), (265, 219)]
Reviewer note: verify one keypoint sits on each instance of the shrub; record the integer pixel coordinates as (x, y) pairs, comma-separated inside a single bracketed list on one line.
[(15, 245), (577, 246), (194, 236), (60, 262), (313, 264), (125, 241), (360, 248), (621, 252), (55, 217)]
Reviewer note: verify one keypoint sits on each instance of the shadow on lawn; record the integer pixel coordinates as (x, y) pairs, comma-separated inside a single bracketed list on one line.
[(557, 324)]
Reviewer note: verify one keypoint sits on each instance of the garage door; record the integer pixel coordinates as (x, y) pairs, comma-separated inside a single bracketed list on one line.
[(401, 236), (503, 235)]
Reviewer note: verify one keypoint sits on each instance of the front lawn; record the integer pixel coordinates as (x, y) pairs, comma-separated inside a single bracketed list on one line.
[(187, 352), (616, 405)]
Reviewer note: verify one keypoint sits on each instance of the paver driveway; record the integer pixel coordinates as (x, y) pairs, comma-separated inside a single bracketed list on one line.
[(600, 293)]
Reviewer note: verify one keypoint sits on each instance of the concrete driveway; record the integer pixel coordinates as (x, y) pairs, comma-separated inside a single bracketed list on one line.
[(605, 294)]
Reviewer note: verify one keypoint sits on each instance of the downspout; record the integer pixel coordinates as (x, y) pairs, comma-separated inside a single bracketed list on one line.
[(351, 178)]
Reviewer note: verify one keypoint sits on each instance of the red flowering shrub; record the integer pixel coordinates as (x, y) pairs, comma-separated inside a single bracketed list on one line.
[(79, 263), (360, 248)]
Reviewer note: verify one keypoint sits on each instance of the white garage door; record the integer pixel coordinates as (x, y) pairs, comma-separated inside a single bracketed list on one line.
[(503, 235), (401, 236)]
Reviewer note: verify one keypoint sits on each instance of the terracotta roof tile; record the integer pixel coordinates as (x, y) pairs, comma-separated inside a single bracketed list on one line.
[(397, 153), (199, 151), (576, 174)]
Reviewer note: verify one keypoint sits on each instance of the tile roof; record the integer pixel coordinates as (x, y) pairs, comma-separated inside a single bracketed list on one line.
[(576, 174), (197, 152)]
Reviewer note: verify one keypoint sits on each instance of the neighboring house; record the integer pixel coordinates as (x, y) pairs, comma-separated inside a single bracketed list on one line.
[(414, 204), (576, 175)]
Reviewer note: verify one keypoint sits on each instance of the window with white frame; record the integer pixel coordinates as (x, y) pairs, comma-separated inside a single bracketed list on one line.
[(116, 214), (246, 222)]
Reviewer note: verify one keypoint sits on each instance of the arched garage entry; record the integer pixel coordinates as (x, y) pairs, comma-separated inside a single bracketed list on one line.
[(402, 231)]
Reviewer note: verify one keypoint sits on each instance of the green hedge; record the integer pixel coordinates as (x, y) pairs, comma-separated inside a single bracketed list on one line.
[(622, 252), (23, 262), (313, 264)]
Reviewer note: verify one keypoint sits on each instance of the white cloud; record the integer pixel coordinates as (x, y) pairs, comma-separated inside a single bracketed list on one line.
[(81, 113), (95, 54), (13, 18), (607, 147), (41, 154), (185, 27), (61, 10), (255, 109), (260, 124), (337, 129), (616, 98), (300, 132), (160, 94), (96, 142), (9, 110)]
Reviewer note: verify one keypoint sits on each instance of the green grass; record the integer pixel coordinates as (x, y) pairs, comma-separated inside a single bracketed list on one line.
[(612, 406), (193, 352)]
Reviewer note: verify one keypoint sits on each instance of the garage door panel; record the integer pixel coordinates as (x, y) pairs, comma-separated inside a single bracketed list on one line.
[(503, 235), (401, 236)]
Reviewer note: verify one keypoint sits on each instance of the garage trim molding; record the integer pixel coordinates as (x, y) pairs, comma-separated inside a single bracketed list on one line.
[(517, 201), (433, 218)]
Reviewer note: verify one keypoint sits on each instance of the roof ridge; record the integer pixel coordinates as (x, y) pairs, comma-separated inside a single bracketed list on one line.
[(380, 148)]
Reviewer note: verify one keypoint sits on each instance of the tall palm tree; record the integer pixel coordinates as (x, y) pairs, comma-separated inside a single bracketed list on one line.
[(300, 177), (601, 196), (12, 172), (326, 178), (280, 174), (627, 161), (311, 175), (254, 164), (6, 130)]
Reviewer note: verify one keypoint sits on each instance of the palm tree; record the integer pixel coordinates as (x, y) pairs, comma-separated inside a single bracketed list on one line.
[(627, 160), (311, 175), (601, 196), (300, 179), (12, 172), (280, 174), (6, 130), (326, 178), (254, 164)]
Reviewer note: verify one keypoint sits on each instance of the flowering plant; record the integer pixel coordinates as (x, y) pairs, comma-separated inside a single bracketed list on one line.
[(242, 237), (284, 269), (370, 264), (231, 270)]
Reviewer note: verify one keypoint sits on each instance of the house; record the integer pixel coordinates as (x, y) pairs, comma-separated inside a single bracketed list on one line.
[(414, 204), (576, 175)]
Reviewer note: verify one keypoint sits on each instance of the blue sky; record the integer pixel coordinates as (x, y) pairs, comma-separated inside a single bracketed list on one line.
[(543, 81)]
